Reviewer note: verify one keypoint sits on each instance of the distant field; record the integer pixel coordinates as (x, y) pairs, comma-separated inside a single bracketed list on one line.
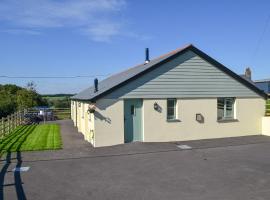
[(58, 101), (57, 97)]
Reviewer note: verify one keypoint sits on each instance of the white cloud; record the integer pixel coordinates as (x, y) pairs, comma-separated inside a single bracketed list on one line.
[(103, 31), (96, 18), (21, 31)]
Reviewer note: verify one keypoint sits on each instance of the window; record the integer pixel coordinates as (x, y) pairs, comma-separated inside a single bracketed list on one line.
[(225, 108), (132, 110), (171, 109), (89, 116), (82, 110)]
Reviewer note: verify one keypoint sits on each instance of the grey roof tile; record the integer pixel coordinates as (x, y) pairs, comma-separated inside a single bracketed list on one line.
[(262, 80)]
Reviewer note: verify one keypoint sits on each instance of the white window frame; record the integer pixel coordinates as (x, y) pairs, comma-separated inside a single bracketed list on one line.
[(225, 117), (82, 109), (89, 116), (175, 109)]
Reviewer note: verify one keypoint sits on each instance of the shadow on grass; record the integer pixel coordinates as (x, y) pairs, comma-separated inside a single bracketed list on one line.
[(4, 141), (17, 138)]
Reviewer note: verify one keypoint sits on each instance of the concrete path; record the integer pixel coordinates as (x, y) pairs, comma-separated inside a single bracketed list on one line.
[(231, 169)]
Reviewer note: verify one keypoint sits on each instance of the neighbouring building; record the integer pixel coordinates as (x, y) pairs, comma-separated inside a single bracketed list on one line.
[(182, 95), (263, 85)]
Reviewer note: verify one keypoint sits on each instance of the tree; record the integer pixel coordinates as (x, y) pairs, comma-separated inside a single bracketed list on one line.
[(28, 97), (25, 99), (7, 103), (31, 86), (14, 98)]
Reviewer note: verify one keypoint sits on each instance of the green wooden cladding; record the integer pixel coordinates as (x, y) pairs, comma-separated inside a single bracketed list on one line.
[(187, 76)]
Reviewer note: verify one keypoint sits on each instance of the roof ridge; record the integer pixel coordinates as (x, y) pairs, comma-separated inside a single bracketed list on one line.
[(174, 51)]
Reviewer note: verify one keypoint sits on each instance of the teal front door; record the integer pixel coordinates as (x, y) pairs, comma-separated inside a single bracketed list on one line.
[(133, 120)]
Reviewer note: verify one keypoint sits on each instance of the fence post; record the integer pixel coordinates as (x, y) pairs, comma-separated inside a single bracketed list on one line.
[(8, 124), (20, 117), (3, 126), (16, 119), (12, 122)]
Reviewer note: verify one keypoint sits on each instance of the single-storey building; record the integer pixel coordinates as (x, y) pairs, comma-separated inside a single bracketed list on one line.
[(264, 85), (182, 95)]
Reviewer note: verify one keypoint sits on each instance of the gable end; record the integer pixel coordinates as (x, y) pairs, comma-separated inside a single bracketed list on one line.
[(124, 85)]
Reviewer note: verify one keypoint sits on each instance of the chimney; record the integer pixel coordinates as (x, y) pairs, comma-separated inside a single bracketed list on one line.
[(96, 85), (147, 56), (248, 73)]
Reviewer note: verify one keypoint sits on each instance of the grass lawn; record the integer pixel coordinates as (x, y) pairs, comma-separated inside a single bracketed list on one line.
[(31, 138)]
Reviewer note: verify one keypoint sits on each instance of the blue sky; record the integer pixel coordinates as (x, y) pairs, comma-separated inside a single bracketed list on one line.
[(101, 37)]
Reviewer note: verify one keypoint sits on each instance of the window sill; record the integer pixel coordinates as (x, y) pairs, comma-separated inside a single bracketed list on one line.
[(173, 120), (227, 120)]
